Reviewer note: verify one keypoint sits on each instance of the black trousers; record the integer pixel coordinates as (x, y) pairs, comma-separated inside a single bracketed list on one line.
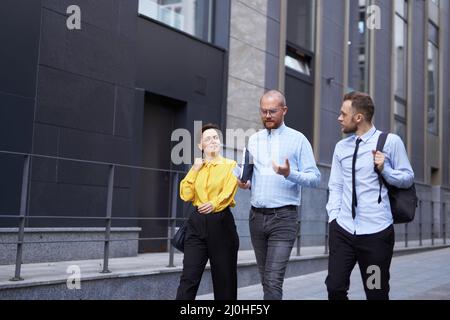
[(212, 236), (373, 252)]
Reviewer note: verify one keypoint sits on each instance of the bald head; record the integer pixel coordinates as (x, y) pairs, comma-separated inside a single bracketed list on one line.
[(274, 95), (272, 109)]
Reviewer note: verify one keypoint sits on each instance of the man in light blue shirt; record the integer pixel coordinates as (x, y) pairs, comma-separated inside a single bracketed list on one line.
[(283, 163), (361, 228)]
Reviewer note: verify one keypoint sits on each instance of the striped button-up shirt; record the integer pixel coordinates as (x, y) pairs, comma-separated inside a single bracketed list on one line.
[(269, 189)]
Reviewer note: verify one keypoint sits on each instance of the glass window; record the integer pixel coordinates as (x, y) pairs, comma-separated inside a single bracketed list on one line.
[(401, 8), (434, 3), (400, 56), (297, 61), (300, 28), (433, 34), (433, 89), (358, 47), (400, 125), (191, 16), (400, 68), (433, 81), (400, 109), (400, 129), (433, 10)]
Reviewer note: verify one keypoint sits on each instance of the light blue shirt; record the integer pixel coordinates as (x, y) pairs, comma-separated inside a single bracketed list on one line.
[(371, 216), (269, 189)]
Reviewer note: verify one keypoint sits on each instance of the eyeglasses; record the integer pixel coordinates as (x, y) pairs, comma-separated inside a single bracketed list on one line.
[(271, 112), (210, 138)]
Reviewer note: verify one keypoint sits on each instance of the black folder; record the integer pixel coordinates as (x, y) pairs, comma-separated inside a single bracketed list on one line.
[(247, 166)]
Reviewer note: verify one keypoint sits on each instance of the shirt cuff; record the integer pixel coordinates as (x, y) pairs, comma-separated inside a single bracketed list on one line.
[(332, 215), (214, 204), (387, 172), (293, 176), (331, 218)]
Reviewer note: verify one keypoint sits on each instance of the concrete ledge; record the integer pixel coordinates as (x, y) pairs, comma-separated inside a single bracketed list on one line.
[(148, 285), (411, 250), (58, 250)]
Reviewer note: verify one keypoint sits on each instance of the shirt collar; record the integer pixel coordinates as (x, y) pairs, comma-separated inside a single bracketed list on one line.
[(369, 134), (214, 162), (277, 131)]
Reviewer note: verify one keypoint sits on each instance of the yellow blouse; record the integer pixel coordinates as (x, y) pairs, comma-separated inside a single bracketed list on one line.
[(214, 182)]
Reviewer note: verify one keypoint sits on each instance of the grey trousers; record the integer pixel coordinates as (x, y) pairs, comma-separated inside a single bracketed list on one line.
[(273, 234)]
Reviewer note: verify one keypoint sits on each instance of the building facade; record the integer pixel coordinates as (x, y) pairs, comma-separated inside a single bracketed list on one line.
[(397, 51)]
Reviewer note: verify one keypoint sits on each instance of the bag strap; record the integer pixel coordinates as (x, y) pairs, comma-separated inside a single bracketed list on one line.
[(380, 146), (187, 208), (382, 141)]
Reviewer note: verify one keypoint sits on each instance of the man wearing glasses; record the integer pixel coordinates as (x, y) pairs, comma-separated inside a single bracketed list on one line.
[(283, 163)]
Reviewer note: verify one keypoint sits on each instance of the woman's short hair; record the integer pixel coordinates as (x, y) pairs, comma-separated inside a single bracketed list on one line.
[(207, 127)]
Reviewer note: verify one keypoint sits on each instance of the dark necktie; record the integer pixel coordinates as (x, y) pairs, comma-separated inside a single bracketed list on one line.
[(354, 200)]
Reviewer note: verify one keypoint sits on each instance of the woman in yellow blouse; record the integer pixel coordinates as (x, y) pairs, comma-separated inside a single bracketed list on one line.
[(211, 231)]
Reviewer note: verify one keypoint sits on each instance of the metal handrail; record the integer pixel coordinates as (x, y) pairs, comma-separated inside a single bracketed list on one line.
[(134, 218), (23, 216), (91, 162)]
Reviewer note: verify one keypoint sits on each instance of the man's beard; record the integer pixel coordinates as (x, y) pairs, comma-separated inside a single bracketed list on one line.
[(350, 130), (271, 125)]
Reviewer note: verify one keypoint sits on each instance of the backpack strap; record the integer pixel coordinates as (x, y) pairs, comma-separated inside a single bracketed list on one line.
[(380, 146)]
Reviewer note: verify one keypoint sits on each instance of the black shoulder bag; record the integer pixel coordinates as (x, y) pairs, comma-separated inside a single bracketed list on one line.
[(178, 239), (403, 201)]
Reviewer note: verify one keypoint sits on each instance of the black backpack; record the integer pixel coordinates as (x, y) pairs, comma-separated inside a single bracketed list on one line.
[(403, 201)]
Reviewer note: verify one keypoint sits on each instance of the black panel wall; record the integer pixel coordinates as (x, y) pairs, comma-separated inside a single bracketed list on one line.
[(85, 109), (82, 94), (19, 43)]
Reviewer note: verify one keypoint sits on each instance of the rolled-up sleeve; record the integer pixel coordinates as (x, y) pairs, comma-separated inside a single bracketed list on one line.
[(187, 186), (397, 168), (307, 174)]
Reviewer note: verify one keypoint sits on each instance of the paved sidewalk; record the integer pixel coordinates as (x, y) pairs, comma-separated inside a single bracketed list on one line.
[(152, 263), (420, 276)]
